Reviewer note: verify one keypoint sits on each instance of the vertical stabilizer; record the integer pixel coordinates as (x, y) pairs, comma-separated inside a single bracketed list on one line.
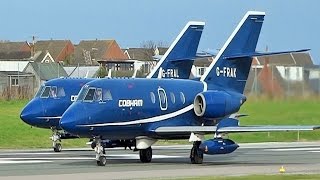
[(232, 73), (178, 60)]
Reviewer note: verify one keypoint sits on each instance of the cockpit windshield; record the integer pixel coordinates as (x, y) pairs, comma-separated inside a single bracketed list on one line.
[(82, 93), (39, 91), (92, 94), (51, 92)]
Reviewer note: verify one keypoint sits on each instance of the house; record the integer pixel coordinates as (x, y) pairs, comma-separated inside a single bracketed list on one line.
[(279, 75), (44, 72), (145, 59), (82, 71), (14, 50), (16, 84), (91, 52), (48, 51)]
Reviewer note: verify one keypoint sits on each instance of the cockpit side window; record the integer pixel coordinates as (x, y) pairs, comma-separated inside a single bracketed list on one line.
[(107, 96), (53, 91), (82, 93), (61, 92), (46, 92), (90, 94), (98, 95), (39, 91)]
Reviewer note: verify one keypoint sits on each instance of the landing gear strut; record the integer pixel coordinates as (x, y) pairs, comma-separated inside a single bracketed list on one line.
[(196, 154), (56, 141), (145, 155), (100, 152)]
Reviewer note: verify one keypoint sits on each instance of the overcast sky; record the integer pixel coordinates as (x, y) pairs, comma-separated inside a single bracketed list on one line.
[(288, 25)]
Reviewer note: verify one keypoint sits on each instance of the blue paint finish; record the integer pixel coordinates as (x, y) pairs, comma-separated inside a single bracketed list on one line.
[(112, 121), (52, 107), (182, 55), (244, 41)]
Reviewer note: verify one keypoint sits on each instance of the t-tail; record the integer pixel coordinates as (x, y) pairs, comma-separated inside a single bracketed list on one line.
[(232, 74), (178, 60)]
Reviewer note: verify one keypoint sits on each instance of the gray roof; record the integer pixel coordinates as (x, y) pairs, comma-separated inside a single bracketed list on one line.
[(81, 71), (162, 50), (293, 59), (143, 54), (48, 71)]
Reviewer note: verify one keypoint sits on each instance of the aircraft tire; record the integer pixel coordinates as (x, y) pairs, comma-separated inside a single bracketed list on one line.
[(145, 155), (102, 161), (57, 147), (196, 155)]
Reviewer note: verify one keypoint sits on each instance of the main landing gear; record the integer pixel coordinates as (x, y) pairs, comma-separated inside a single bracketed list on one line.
[(145, 155), (56, 140), (196, 154), (100, 152)]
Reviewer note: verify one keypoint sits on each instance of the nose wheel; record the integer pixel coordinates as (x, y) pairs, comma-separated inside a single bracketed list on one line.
[(145, 155), (100, 152), (56, 141)]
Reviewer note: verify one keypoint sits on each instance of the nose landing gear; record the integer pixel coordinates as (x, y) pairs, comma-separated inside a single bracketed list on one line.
[(100, 152), (56, 141)]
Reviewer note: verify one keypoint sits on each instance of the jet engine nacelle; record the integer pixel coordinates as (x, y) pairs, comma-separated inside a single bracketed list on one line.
[(217, 104), (218, 146)]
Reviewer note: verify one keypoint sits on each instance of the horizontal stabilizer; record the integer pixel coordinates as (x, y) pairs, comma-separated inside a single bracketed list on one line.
[(257, 54)]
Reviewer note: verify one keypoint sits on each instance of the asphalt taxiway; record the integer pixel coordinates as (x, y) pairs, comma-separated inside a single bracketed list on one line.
[(167, 162)]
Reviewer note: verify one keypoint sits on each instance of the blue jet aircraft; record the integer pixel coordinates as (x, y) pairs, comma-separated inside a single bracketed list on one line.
[(144, 110), (55, 96)]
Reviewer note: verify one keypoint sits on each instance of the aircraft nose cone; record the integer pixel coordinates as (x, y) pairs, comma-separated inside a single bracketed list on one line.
[(30, 113), (72, 118), (67, 121)]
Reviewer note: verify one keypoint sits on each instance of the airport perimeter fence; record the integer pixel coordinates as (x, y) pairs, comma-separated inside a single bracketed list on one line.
[(271, 82), (283, 82)]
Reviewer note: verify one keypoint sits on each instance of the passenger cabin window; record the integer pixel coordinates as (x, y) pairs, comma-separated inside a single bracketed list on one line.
[(90, 94), (152, 97), (173, 98), (163, 99), (107, 95), (182, 98), (45, 92)]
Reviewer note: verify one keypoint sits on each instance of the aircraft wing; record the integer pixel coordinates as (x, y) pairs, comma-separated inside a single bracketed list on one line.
[(231, 129), (186, 129)]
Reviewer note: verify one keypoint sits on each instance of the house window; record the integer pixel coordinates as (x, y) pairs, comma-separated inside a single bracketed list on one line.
[(14, 82)]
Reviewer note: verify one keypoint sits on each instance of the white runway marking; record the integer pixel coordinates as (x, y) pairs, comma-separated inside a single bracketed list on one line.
[(294, 149), (21, 162), (30, 160), (31, 153)]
